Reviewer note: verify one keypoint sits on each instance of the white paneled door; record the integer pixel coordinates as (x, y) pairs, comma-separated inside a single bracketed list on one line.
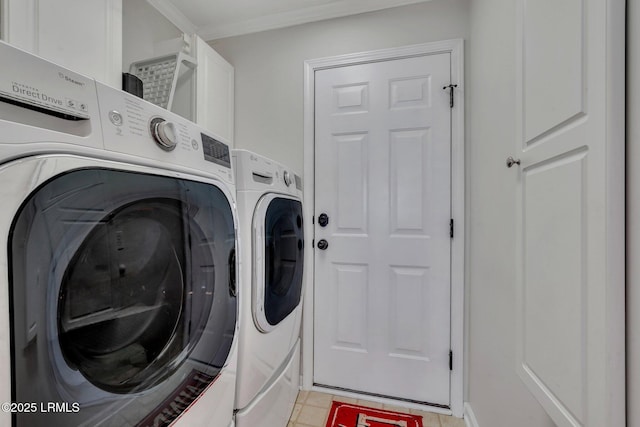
[(383, 258), (570, 215)]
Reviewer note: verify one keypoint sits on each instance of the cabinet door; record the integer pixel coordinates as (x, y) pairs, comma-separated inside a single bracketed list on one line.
[(82, 35), (214, 93)]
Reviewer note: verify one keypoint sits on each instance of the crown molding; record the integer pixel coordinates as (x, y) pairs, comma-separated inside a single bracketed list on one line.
[(296, 17), (174, 15)]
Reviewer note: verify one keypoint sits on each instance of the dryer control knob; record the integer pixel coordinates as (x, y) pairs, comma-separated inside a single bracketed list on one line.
[(287, 178), (164, 133)]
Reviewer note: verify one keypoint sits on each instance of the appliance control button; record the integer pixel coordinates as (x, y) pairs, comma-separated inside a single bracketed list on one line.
[(164, 133), (287, 178), (115, 118)]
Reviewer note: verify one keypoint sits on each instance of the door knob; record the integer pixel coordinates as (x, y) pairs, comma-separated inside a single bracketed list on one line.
[(323, 244), (323, 220), (511, 161)]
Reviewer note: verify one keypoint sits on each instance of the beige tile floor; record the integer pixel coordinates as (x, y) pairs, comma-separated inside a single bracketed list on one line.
[(312, 408)]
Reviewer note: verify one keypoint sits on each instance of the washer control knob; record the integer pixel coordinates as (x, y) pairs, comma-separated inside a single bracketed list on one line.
[(164, 133), (287, 178)]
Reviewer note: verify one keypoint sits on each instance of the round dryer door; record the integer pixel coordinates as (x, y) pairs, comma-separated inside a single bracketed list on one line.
[(123, 294)]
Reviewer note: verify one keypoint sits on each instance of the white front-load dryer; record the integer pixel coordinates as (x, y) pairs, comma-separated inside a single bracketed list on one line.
[(118, 282), (271, 251)]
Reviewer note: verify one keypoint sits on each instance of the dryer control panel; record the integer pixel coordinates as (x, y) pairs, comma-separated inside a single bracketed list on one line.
[(259, 173)]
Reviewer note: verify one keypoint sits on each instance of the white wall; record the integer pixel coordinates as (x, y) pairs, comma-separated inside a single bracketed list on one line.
[(633, 213), (269, 85), (142, 28), (494, 391), (269, 66)]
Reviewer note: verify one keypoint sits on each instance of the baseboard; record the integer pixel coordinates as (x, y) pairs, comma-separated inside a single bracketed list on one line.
[(469, 416)]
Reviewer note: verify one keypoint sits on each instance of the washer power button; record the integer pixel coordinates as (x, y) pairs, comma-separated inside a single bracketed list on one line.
[(115, 118)]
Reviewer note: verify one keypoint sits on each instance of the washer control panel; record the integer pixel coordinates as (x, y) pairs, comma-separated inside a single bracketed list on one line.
[(134, 126)]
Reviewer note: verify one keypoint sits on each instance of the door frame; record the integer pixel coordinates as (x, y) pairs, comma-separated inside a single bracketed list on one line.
[(455, 47)]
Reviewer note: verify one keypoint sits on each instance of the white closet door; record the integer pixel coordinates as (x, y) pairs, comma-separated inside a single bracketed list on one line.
[(570, 217)]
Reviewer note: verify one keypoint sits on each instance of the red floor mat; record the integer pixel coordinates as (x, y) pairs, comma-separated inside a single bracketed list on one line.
[(350, 415)]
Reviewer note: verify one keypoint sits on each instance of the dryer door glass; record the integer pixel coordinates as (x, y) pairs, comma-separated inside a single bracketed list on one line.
[(284, 251), (121, 291)]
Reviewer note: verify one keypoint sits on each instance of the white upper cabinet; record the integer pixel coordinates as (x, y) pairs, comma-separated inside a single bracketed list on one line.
[(83, 35), (214, 91), (204, 91), (102, 38)]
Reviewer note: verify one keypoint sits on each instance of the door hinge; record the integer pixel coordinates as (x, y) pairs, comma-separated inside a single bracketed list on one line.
[(313, 243), (451, 88), (313, 220), (451, 228), (450, 360)]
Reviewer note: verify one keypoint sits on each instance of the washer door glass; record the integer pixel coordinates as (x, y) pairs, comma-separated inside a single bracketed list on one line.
[(121, 300), (284, 252), (123, 286)]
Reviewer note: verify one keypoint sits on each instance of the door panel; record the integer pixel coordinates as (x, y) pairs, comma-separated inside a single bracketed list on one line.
[(410, 152), (408, 287), (351, 315), (554, 264), (382, 286), (352, 179), (567, 202), (554, 63)]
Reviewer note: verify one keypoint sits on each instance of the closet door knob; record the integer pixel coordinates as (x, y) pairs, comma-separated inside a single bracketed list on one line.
[(511, 161)]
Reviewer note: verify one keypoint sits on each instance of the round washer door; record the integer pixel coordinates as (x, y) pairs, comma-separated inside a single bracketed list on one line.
[(279, 255), (123, 290)]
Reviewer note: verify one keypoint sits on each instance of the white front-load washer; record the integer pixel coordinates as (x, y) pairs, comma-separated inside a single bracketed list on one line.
[(118, 298), (271, 251)]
